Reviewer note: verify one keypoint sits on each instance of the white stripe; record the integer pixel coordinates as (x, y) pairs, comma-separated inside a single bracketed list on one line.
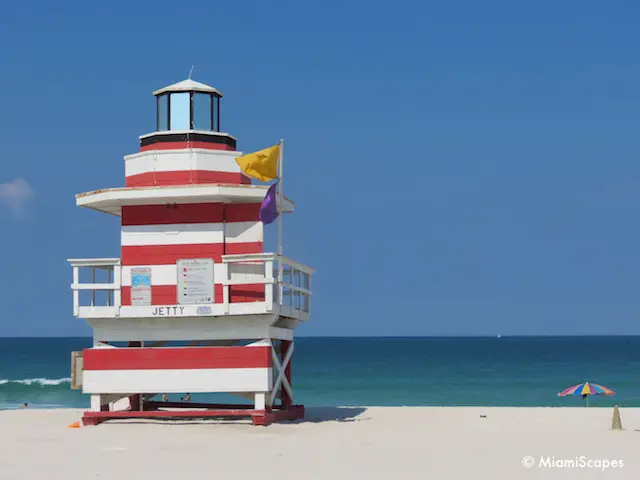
[(181, 160), (168, 274), (191, 233), (174, 234), (243, 232), (178, 381)]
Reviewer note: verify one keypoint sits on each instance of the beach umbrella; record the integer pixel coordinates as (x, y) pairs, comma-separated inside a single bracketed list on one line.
[(586, 389)]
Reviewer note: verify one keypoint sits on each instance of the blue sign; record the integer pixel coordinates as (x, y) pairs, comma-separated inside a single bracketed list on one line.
[(140, 279)]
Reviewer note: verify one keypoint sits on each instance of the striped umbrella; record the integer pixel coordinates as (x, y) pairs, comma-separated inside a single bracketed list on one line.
[(586, 389)]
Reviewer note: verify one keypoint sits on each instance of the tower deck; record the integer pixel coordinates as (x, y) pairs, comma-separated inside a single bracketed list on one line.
[(111, 200), (286, 287)]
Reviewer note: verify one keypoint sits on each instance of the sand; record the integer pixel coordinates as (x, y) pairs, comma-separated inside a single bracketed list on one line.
[(332, 443)]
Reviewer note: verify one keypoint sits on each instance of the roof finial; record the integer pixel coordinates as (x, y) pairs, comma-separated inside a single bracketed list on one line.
[(191, 71)]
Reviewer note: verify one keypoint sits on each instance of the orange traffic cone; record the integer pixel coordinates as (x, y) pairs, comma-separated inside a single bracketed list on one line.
[(75, 425)]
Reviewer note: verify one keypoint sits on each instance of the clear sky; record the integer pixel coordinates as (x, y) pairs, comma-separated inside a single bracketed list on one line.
[(459, 167)]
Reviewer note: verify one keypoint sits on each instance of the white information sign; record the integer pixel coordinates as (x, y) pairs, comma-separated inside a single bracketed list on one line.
[(195, 281), (140, 286)]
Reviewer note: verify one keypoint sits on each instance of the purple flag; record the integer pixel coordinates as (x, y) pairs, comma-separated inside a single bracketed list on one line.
[(269, 207)]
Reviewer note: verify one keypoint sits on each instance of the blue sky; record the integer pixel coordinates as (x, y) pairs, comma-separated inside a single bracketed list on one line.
[(459, 168)]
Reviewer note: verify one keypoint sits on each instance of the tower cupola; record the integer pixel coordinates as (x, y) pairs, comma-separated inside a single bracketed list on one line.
[(187, 116), (188, 105)]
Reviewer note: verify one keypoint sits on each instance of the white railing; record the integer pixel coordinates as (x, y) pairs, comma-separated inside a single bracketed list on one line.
[(292, 279), (111, 287), (287, 286)]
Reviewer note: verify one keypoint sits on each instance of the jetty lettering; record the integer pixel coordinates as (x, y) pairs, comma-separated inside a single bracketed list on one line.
[(167, 311)]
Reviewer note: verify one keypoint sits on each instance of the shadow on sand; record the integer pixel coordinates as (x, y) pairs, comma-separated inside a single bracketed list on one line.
[(312, 415), (331, 414)]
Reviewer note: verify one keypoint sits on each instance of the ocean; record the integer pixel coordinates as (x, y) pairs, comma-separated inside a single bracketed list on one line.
[(412, 371)]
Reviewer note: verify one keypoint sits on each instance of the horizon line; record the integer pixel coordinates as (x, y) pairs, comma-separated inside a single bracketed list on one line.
[(502, 336)]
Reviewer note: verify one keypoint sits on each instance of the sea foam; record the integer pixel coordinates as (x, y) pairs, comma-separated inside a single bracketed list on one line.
[(36, 381)]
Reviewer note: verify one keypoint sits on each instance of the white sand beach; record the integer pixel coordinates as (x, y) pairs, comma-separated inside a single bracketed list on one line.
[(331, 443)]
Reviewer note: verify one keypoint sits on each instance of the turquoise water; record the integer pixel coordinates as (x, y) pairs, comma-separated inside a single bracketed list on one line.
[(516, 371)]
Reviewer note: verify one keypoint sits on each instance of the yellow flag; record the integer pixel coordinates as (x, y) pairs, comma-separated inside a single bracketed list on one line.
[(262, 165)]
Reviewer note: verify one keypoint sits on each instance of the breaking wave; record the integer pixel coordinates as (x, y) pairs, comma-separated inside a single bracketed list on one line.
[(37, 381), (39, 393)]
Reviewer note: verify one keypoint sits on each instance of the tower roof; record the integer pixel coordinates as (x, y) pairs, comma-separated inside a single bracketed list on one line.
[(188, 85), (111, 200)]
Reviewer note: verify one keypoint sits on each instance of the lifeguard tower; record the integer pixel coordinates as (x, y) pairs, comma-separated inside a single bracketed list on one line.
[(194, 304)]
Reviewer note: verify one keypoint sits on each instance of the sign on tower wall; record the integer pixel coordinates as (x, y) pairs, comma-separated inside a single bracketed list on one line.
[(140, 286), (195, 281)]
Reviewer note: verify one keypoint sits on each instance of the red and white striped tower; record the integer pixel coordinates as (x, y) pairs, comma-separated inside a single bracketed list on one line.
[(192, 272)]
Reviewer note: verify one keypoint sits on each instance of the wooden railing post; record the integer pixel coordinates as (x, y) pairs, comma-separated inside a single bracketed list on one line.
[(93, 280), (225, 287), (268, 286), (76, 293), (117, 295), (280, 281)]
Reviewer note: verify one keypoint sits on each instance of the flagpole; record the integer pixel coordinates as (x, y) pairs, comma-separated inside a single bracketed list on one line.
[(280, 212), (280, 198)]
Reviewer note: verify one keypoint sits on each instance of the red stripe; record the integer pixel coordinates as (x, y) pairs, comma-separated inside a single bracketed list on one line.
[(167, 294), (94, 418), (189, 213), (183, 145), (176, 358), (160, 295), (245, 247), (242, 212), (186, 177), (251, 292), (169, 254)]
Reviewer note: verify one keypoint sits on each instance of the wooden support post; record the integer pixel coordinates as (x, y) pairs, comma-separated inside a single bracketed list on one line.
[(135, 401), (95, 403), (286, 399), (260, 401)]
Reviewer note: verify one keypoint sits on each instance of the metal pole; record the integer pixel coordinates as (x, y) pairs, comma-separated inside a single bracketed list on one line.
[(280, 198), (280, 211)]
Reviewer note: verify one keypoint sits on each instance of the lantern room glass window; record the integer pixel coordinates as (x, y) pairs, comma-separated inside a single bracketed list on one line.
[(163, 113), (202, 111), (179, 112), (182, 111)]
